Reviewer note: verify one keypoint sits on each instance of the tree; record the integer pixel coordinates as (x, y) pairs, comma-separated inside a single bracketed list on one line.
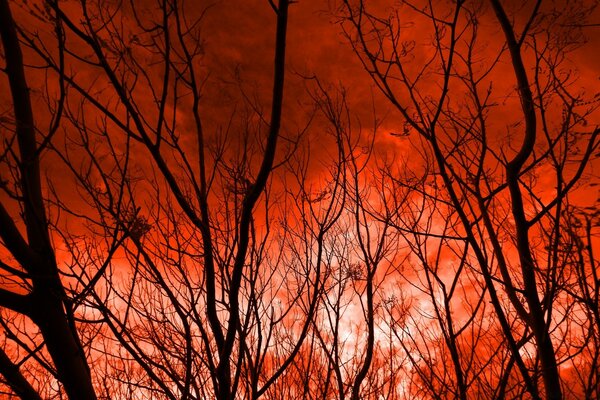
[(51, 307), (45, 301), (188, 234), (480, 173)]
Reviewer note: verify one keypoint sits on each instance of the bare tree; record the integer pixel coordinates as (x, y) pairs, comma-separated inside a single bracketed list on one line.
[(26, 237), (110, 189), (449, 98), (171, 235)]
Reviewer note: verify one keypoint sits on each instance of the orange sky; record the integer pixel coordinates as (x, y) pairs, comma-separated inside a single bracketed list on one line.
[(238, 54)]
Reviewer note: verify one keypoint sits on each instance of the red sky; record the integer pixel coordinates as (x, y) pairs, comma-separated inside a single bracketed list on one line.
[(238, 53)]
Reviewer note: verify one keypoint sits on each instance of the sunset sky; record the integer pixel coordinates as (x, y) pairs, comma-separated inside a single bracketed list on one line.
[(415, 217)]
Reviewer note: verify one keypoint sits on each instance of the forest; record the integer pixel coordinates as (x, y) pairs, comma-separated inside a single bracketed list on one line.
[(294, 199)]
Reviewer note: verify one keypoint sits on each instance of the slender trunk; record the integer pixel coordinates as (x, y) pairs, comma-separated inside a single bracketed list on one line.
[(370, 338), (536, 320), (250, 199)]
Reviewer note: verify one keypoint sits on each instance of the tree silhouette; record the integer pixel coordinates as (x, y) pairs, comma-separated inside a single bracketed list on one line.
[(479, 176), (176, 227)]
